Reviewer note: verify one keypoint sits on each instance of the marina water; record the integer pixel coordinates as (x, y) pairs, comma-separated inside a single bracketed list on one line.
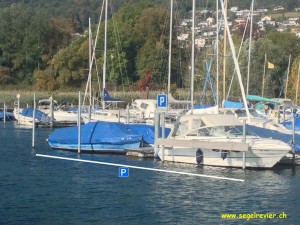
[(36, 190)]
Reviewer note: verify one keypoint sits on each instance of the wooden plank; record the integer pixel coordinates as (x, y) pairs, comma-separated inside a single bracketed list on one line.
[(234, 146)]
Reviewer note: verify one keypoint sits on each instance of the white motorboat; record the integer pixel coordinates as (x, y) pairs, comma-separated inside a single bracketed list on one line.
[(219, 140)]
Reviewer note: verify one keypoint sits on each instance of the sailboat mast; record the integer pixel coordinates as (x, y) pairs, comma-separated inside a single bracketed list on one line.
[(170, 47), (224, 53), (296, 100), (287, 77), (104, 57), (217, 53), (193, 58), (263, 81), (90, 60), (250, 46), (236, 64)]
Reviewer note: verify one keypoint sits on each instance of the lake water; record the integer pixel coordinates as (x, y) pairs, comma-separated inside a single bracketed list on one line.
[(36, 190)]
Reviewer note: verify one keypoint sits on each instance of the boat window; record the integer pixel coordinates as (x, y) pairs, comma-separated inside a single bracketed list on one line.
[(228, 113), (144, 105), (200, 132), (253, 113), (241, 113)]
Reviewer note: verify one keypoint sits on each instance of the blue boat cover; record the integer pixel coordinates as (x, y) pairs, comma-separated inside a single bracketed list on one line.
[(147, 131), (29, 113), (8, 115), (235, 105), (95, 133), (201, 106), (289, 125)]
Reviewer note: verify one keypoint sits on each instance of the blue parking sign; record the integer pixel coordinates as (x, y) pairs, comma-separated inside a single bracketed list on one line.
[(123, 172), (162, 101)]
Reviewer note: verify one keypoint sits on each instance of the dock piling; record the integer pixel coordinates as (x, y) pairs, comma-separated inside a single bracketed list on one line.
[(79, 122), (33, 122)]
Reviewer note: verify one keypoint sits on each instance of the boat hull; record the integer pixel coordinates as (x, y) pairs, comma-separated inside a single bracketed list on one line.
[(256, 158), (101, 148)]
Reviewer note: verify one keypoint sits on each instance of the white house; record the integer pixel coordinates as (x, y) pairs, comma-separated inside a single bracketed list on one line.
[(182, 37)]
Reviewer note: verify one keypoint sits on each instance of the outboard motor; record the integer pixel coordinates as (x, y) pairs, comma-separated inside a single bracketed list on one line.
[(199, 156)]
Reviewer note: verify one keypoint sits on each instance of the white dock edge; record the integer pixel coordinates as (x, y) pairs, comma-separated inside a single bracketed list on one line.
[(234, 146)]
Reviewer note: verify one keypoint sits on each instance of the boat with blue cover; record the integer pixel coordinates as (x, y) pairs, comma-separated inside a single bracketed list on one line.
[(9, 116), (96, 137), (25, 116)]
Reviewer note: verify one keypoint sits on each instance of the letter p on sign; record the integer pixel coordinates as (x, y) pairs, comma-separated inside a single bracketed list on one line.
[(123, 172)]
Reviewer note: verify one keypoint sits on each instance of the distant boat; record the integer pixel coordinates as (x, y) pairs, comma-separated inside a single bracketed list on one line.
[(62, 115), (25, 117), (9, 116), (98, 137)]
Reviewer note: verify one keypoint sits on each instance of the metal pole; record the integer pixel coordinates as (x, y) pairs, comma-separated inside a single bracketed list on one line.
[(51, 111), (156, 132), (163, 125), (18, 111), (293, 139), (119, 116), (244, 140), (33, 122), (4, 113), (128, 114), (79, 122)]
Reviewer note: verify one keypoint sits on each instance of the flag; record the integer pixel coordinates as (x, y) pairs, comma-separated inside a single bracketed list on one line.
[(270, 65)]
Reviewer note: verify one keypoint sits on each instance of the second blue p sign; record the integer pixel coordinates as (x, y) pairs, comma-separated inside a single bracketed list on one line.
[(123, 172)]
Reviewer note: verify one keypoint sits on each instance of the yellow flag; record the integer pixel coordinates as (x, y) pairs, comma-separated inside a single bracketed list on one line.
[(270, 65)]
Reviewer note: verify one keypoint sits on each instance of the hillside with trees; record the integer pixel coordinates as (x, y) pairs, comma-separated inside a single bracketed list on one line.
[(44, 46)]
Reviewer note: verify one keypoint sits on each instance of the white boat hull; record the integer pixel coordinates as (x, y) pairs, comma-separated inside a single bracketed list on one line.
[(255, 158)]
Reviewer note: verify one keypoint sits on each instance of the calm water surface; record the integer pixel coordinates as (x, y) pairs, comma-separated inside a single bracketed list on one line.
[(37, 190)]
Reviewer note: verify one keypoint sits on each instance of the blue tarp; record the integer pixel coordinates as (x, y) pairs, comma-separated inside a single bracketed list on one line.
[(29, 113), (95, 132), (9, 116), (288, 124), (147, 131), (234, 105), (201, 106)]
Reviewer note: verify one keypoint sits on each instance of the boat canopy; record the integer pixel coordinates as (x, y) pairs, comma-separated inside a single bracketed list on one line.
[(28, 112), (220, 120), (234, 105), (256, 98)]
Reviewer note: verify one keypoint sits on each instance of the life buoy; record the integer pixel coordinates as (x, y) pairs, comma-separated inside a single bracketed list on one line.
[(275, 113)]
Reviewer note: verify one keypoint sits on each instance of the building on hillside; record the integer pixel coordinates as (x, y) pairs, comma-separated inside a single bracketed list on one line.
[(234, 9), (278, 8), (183, 37)]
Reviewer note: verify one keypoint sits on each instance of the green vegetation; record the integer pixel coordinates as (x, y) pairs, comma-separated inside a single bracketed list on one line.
[(44, 47)]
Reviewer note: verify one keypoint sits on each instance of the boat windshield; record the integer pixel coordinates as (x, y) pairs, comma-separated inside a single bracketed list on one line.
[(222, 131), (182, 127)]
